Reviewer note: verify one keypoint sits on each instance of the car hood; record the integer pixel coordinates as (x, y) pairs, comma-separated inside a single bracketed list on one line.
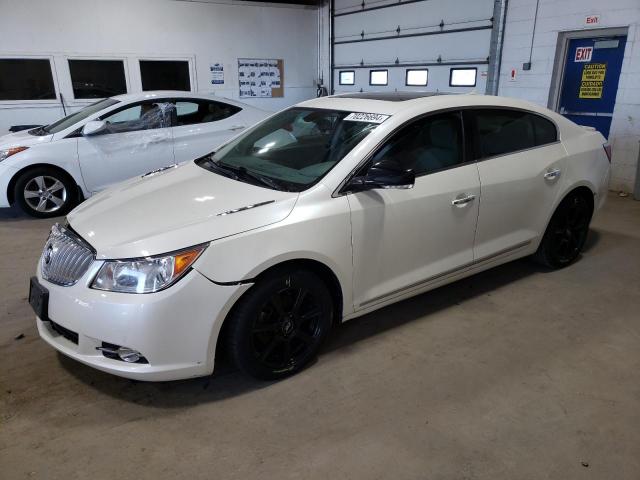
[(173, 209), (22, 139)]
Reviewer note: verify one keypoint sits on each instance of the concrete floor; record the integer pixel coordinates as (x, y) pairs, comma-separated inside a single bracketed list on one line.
[(515, 373)]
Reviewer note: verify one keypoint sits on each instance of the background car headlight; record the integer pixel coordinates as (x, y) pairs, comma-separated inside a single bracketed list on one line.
[(145, 275), (4, 154)]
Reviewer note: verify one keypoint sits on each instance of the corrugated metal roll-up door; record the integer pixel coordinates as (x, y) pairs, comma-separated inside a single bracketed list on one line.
[(405, 38)]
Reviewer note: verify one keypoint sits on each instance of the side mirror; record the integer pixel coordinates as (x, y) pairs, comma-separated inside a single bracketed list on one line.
[(94, 127), (385, 174)]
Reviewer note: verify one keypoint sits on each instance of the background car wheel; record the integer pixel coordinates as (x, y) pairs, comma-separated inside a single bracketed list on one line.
[(45, 192), (566, 233), (278, 326)]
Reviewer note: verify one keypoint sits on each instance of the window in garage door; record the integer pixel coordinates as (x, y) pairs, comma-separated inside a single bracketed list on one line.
[(97, 78), (503, 131), (415, 77), (165, 75), (463, 77), (26, 79)]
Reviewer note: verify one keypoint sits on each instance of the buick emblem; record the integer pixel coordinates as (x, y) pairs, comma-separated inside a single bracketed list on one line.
[(48, 253)]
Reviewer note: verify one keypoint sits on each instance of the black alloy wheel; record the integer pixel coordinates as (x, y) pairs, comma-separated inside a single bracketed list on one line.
[(278, 327), (567, 232)]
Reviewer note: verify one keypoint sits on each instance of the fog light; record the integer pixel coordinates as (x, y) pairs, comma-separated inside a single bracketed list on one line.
[(128, 355), (124, 354)]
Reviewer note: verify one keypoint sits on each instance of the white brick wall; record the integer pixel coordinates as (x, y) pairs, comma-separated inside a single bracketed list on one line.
[(556, 16)]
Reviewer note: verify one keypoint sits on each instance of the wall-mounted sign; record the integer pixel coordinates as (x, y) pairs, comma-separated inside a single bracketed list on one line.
[(592, 20), (583, 54), (592, 80), (217, 73), (261, 77)]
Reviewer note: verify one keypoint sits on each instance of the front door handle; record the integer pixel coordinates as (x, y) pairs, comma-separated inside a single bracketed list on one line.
[(462, 200), (236, 127), (551, 174)]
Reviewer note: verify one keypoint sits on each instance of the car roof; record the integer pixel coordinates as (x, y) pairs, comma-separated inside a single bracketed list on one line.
[(134, 97), (391, 96), (413, 103)]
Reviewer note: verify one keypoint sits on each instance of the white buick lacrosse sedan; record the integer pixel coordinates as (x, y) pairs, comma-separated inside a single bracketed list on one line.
[(319, 214)]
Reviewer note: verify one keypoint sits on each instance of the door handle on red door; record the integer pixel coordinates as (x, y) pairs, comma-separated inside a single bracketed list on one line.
[(462, 200), (551, 174)]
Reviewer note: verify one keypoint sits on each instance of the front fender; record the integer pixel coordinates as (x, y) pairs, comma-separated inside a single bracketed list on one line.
[(316, 229)]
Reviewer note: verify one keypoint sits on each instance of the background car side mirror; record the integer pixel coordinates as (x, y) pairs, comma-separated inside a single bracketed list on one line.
[(94, 127), (385, 174)]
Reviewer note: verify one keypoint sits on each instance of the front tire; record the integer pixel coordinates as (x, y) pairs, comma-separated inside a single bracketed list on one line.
[(566, 233), (45, 192), (277, 328)]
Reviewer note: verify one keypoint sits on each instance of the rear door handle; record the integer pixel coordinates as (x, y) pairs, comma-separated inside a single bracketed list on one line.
[(236, 127), (462, 200), (551, 174)]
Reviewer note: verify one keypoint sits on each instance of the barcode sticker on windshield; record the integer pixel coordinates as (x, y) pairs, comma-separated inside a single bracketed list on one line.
[(366, 117)]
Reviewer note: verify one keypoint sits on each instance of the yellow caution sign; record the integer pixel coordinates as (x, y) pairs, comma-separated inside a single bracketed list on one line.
[(592, 80)]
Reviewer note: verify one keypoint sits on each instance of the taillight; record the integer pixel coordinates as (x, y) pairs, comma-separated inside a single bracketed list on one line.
[(607, 150)]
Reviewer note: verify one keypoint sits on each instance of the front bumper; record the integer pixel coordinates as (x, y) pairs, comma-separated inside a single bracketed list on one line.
[(175, 329)]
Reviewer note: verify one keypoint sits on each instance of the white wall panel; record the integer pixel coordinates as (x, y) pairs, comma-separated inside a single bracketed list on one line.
[(201, 32), (463, 46)]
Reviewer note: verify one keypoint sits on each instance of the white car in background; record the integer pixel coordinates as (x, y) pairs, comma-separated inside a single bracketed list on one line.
[(323, 212), (48, 170)]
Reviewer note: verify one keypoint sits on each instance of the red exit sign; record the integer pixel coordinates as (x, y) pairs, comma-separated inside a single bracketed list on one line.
[(583, 54), (592, 20)]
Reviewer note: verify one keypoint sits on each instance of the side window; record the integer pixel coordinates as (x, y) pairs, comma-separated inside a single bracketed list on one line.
[(190, 112), (502, 131), (427, 145), (141, 116), (545, 130)]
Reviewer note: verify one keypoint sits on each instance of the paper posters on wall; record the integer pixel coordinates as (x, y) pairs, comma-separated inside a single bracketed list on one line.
[(592, 80), (261, 78), (217, 73)]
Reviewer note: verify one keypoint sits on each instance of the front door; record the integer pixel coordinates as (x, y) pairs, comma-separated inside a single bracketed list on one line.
[(137, 139), (402, 239), (590, 81)]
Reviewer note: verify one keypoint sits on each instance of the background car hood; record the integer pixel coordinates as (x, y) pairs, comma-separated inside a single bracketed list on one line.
[(22, 139), (173, 209)]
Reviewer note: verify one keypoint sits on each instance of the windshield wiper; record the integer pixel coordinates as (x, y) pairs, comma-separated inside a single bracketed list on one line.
[(243, 173)]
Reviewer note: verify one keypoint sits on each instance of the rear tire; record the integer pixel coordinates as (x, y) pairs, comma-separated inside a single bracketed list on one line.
[(45, 192), (277, 328), (566, 233)]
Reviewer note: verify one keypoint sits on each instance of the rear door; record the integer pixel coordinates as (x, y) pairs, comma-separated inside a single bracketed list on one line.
[(520, 162), (403, 239), (202, 125)]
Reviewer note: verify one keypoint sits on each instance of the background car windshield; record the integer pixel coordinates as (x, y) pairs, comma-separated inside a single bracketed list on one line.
[(74, 118), (297, 146)]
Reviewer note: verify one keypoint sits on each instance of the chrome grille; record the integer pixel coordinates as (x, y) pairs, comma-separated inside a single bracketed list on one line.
[(65, 257)]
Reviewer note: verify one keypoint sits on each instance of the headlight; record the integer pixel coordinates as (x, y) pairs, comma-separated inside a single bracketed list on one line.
[(4, 154), (145, 275)]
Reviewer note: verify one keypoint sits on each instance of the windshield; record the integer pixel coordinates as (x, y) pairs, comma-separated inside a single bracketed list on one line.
[(293, 149), (74, 118)]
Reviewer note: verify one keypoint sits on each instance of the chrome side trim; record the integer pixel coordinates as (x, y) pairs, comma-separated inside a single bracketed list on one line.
[(242, 209), (422, 283)]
